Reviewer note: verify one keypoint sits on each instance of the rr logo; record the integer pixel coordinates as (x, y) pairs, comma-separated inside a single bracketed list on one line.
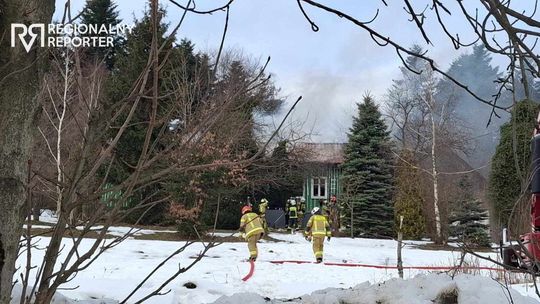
[(28, 30)]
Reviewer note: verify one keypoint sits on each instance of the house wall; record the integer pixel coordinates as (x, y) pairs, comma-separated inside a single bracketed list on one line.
[(332, 173)]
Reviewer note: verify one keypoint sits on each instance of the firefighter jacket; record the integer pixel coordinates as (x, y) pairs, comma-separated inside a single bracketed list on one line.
[(301, 208), (251, 224), (318, 226), (262, 208), (293, 213)]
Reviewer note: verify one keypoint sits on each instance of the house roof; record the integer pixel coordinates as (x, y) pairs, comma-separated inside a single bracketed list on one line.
[(327, 153)]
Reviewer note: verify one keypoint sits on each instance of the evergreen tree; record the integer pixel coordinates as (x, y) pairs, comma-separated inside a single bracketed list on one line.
[(535, 94), (286, 176), (408, 200), (102, 12), (476, 71), (251, 99), (510, 164), (129, 65), (134, 56), (467, 217), (532, 86), (234, 82), (367, 173)]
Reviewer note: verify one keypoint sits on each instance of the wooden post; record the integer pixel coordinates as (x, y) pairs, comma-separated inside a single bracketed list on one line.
[(352, 217), (399, 246)]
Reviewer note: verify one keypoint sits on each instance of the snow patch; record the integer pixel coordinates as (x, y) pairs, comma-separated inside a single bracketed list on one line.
[(47, 216), (424, 288)]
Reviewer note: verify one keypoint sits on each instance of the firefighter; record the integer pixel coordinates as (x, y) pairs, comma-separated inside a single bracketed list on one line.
[(316, 229), (293, 215), (252, 228), (287, 205), (262, 213), (301, 209), (333, 212), (325, 211)]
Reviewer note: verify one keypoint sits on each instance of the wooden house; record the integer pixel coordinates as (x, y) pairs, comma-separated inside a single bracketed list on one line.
[(323, 173)]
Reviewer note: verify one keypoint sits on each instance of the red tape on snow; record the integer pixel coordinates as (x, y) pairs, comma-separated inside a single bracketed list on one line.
[(392, 267), (251, 270)]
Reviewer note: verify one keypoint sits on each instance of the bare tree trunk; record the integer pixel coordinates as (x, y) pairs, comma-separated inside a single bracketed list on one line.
[(35, 213), (399, 247), (435, 178), (19, 84), (61, 116), (44, 293)]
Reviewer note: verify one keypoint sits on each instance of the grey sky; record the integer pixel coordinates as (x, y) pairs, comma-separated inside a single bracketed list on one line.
[(331, 69)]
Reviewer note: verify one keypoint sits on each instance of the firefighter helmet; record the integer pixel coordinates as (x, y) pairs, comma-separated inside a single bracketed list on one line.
[(315, 210), (293, 202), (246, 209)]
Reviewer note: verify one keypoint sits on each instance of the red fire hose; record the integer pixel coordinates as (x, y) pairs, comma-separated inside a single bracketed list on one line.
[(251, 269)]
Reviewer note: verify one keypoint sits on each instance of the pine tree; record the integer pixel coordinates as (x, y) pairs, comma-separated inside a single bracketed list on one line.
[(367, 173), (102, 12), (510, 165), (286, 175), (477, 72), (467, 217), (408, 200), (250, 100), (129, 65), (535, 94), (519, 86)]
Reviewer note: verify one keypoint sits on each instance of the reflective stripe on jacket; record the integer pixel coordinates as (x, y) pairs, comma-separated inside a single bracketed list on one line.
[(318, 226), (251, 224), (292, 212)]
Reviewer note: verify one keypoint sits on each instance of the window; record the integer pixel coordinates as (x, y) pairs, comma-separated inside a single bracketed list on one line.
[(319, 187)]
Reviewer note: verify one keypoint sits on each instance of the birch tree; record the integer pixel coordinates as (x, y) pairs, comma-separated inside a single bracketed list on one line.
[(55, 109), (444, 133), (425, 125)]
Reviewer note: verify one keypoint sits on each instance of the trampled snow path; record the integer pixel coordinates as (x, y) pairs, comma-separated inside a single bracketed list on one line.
[(115, 274)]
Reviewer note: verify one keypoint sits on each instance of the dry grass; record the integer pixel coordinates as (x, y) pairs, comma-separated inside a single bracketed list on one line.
[(502, 276), (69, 234), (157, 236), (446, 247)]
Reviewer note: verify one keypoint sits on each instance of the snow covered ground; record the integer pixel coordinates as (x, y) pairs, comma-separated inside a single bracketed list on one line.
[(424, 288), (115, 274)]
